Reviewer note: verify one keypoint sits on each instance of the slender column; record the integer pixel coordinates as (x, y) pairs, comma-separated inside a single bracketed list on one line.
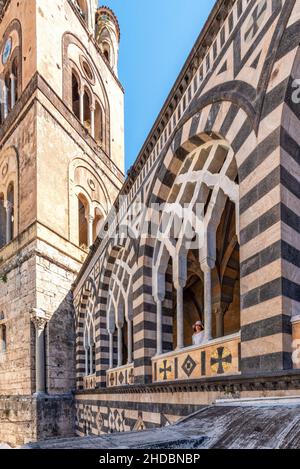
[(129, 340), (86, 354), (92, 109), (39, 319), (81, 106), (111, 350), (12, 90), (90, 231), (219, 321), (5, 99), (159, 335), (91, 360), (9, 211), (180, 328), (120, 346), (207, 304)]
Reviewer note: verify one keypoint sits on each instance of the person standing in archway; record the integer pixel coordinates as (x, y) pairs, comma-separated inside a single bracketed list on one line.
[(198, 336)]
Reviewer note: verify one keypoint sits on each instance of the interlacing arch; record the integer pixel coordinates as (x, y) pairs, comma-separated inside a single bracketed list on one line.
[(89, 304), (120, 305), (205, 188)]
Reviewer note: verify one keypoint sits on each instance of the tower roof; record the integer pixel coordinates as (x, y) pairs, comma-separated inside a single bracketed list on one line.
[(108, 11)]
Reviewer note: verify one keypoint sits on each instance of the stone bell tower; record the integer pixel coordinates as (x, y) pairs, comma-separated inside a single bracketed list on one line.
[(61, 167)]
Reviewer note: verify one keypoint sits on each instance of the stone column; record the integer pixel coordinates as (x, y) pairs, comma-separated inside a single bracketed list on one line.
[(219, 322), (92, 109), (129, 339), (90, 230), (180, 327), (180, 278), (39, 319), (111, 350), (86, 357), (81, 106), (12, 90), (159, 293), (120, 346), (207, 303), (159, 334), (5, 101), (9, 213)]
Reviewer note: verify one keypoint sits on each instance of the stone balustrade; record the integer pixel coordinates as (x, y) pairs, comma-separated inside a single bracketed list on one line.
[(121, 376), (218, 357)]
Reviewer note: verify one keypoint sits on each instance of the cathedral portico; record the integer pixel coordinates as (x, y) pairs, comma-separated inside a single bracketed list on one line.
[(216, 153)]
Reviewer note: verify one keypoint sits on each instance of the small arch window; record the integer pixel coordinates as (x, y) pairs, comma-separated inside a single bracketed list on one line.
[(75, 96), (83, 221), (87, 110), (10, 212), (82, 8), (98, 123), (11, 78), (89, 347)]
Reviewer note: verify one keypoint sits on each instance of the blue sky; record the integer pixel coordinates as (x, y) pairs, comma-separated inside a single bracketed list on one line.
[(156, 38)]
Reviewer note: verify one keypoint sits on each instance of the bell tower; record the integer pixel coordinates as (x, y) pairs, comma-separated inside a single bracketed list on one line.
[(61, 167)]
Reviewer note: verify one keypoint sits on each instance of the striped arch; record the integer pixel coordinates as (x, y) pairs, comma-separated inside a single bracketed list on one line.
[(216, 122), (270, 219), (85, 308)]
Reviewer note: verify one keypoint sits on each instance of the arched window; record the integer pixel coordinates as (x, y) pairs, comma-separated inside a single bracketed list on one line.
[(89, 347), (83, 221), (7, 93), (87, 110), (14, 82), (75, 96), (2, 222), (98, 220), (98, 123), (83, 9), (106, 51), (10, 212)]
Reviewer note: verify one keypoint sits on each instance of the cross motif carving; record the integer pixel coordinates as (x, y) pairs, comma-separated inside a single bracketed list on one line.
[(221, 360), (256, 20), (165, 370)]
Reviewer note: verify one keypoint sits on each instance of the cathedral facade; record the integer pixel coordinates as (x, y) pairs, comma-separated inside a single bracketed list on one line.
[(99, 288)]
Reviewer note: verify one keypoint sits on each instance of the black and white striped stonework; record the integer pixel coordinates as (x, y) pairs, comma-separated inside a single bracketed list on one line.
[(247, 98)]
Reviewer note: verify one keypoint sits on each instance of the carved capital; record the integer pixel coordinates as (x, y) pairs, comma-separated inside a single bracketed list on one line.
[(39, 318)]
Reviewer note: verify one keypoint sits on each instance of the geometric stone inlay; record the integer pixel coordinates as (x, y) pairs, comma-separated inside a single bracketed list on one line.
[(189, 365)]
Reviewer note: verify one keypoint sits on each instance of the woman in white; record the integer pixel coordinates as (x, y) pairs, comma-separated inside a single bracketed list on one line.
[(198, 336)]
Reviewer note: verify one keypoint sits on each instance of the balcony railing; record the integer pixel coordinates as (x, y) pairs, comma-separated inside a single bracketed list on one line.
[(89, 382), (219, 357), (121, 376)]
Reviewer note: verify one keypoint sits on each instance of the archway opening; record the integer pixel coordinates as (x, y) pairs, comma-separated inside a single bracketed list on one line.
[(98, 123), (10, 212), (83, 210), (83, 9), (97, 223), (75, 96), (15, 76), (87, 110), (193, 299), (226, 301)]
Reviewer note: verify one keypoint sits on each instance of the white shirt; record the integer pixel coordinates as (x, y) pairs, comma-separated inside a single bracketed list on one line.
[(198, 338)]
